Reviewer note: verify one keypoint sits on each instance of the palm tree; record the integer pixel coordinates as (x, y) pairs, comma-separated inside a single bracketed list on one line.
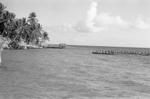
[(17, 30), (2, 7), (35, 29), (5, 16), (45, 36)]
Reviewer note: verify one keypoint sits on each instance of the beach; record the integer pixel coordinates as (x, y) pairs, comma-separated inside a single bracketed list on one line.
[(73, 73)]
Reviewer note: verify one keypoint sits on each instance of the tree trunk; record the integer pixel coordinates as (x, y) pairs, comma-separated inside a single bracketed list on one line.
[(2, 41)]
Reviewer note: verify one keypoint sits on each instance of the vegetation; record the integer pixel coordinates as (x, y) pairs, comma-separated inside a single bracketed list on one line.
[(26, 30), (62, 45), (56, 46)]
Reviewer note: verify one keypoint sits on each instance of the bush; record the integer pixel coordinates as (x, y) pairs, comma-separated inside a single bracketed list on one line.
[(62, 45)]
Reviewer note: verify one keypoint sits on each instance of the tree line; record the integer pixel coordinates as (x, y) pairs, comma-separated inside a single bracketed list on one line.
[(17, 30)]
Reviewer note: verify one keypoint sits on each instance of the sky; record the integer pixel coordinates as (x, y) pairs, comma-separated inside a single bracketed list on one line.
[(90, 22)]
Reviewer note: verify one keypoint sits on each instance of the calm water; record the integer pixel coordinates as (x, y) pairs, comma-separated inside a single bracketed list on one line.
[(73, 73)]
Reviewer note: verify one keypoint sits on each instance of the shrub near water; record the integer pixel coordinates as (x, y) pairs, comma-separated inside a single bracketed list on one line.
[(62, 45)]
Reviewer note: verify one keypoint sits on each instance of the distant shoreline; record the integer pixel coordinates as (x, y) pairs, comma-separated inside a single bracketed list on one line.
[(107, 46), (63, 46)]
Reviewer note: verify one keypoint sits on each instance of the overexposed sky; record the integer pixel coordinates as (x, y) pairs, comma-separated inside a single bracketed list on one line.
[(90, 22)]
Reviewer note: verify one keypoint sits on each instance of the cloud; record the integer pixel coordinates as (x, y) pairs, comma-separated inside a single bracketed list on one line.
[(142, 24), (95, 22), (106, 20), (88, 25)]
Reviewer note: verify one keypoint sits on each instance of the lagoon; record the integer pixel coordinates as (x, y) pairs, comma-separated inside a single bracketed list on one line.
[(73, 73)]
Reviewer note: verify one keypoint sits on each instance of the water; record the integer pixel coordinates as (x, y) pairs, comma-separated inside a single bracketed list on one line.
[(73, 73)]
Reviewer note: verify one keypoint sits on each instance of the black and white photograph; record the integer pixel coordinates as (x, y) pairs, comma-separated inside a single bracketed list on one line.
[(74, 49)]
